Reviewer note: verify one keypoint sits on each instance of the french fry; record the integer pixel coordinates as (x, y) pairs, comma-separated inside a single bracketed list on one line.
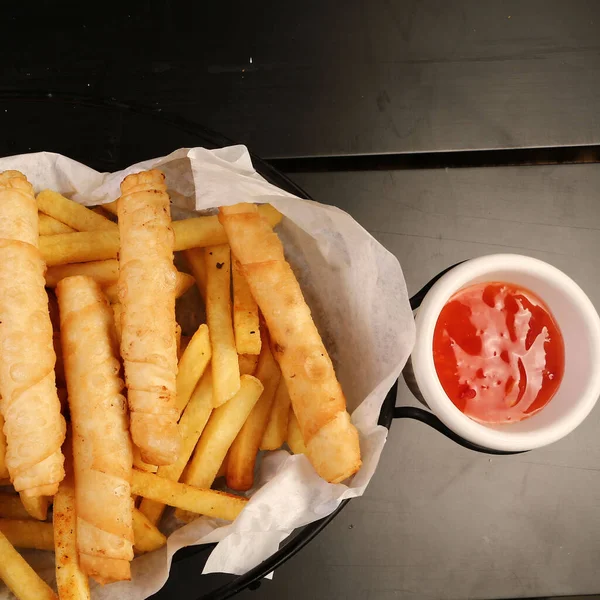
[(19, 577), (36, 506), (224, 363), (248, 363), (191, 425), (85, 246), (147, 292), (81, 246), (223, 426), (71, 582), (245, 314), (183, 282), (11, 507), (24, 533), (192, 364), (203, 502), (71, 213), (277, 427), (50, 226), (331, 439), (183, 344), (147, 537), (104, 272), (197, 263), (242, 455), (111, 207), (3, 467), (294, 436)]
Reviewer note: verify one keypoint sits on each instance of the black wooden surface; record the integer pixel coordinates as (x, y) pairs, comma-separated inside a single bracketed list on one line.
[(328, 77)]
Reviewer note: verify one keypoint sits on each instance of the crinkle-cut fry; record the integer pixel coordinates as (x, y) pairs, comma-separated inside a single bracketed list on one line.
[(192, 365), (84, 246), (294, 436), (101, 445), (203, 502), (197, 264), (24, 533), (224, 363), (248, 363), (11, 507), (191, 425), (245, 314), (104, 272), (36, 506), (72, 213), (244, 449), (19, 577), (319, 403), (50, 226), (219, 434), (276, 432), (146, 535), (71, 582), (34, 427), (3, 467), (183, 282), (147, 293)]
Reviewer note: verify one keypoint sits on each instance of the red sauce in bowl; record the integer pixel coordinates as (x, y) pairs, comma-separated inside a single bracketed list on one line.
[(498, 352)]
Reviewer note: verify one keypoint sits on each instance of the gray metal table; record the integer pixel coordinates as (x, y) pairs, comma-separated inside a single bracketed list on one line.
[(439, 521)]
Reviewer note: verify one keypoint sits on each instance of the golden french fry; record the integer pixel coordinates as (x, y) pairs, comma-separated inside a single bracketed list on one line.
[(294, 436), (11, 507), (224, 363), (36, 506), (138, 463), (204, 502), (71, 582), (50, 226), (24, 533), (248, 363), (197, 263), (104, 272), (277, 427), (81, 246), (33, 425), (319, 403), (223, 426), (191, 425), (3, 467), (183, 344), (72, 213), (147, 292), (147, 537), (84, 246), (192, 364), (242, 455), (245, 314), (101, 443), (183, 282), (19, 577)]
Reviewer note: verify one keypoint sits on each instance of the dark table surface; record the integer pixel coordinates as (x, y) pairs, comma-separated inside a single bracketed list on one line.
[(320, 79)]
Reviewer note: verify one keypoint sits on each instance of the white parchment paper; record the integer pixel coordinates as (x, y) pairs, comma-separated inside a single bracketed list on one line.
[(358, 297)]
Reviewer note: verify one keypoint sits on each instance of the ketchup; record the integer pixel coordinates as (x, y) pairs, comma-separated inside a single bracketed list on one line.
[(498, 352)]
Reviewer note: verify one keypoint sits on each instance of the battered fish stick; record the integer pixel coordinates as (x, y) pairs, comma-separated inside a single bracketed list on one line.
[(34, 427), (319, 403), (146, 290), (102, 452)]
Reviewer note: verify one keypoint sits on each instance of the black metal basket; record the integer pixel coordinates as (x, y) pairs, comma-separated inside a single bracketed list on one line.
[(108, 135)]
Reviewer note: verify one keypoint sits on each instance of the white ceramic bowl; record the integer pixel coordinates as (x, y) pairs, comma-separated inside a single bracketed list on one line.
[(580, 327)]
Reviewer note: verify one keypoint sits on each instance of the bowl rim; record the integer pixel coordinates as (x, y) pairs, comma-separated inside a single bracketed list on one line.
[(426, 375)]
